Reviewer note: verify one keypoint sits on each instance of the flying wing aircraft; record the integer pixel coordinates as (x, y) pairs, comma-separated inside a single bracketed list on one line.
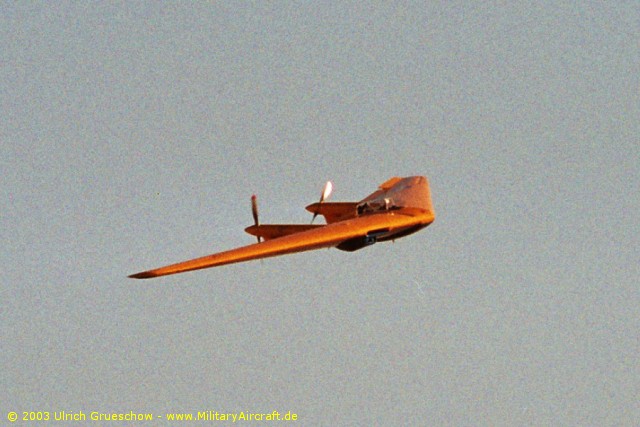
[(399, 207)]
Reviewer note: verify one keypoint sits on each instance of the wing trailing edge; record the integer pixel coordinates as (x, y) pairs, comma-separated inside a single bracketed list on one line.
[(273, 231)]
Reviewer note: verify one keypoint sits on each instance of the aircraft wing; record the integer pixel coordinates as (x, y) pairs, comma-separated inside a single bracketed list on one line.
[(316, 238), (334, 211)]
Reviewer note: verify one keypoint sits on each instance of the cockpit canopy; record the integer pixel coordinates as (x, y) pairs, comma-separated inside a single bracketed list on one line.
[(376, 205)]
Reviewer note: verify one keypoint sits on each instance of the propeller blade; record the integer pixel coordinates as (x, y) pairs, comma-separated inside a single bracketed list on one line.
[(254, 212), (326, 192)]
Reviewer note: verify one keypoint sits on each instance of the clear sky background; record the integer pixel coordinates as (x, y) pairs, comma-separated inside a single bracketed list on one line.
[(133, 136)]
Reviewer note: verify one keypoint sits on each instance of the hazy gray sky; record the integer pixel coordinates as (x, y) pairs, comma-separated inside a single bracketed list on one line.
[(133, 136)]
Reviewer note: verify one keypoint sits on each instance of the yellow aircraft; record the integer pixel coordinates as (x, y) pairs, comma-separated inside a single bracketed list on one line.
[(400, 206)]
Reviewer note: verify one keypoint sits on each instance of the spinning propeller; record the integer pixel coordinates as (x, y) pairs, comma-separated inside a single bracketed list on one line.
[(326, 191), (254, 212)]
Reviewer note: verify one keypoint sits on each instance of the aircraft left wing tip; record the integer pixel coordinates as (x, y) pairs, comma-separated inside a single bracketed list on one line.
[(143, 275)]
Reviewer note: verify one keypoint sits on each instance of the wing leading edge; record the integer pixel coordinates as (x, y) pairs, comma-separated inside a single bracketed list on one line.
[(316, 238)]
